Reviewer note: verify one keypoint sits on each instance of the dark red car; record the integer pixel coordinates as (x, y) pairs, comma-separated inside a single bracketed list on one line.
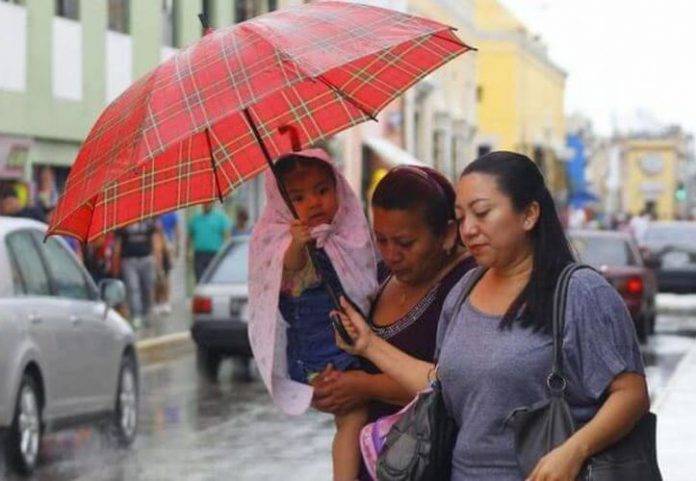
[(616, 256)]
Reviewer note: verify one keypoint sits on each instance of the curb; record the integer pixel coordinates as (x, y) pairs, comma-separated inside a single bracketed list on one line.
[(164, 348), (679, 373)]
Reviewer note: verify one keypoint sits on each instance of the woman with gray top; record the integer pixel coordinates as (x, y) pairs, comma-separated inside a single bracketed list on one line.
[(495, 348)]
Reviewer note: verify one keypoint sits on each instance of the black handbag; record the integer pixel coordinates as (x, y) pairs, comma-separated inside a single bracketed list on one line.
[(545, 425), (419, 446)]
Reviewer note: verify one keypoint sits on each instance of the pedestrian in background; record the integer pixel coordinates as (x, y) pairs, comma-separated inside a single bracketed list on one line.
[(134, 251), (12, 207), (241, 222), (207, 232), (167, 250)]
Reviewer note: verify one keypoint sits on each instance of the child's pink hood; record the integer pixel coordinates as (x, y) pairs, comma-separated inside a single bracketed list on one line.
[(348, 243)]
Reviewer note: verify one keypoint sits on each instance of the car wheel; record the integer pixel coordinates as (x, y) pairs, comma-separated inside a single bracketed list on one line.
[(642, 328), (124, 425), (24, 438), (241, 369), (208, 363), (651, 322)]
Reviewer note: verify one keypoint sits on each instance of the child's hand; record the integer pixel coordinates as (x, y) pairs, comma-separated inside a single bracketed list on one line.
[(300, 232)]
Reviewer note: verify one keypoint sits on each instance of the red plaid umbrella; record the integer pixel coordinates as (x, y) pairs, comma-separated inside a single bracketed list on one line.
[(207, 119)]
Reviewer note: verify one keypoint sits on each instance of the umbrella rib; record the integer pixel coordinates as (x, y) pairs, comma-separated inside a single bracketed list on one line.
[(212, 164), (346, 97)]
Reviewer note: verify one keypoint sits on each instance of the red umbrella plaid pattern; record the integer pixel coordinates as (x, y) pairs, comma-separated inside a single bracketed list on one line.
[(179, 135)]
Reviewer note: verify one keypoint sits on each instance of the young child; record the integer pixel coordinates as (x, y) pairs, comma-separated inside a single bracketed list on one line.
[(289, 325)]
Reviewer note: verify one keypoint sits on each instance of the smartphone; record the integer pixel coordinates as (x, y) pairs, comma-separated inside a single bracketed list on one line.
[(338, 326)]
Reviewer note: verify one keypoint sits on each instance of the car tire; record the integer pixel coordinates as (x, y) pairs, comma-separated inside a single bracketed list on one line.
[(124, 423), (208, 363), (23, 441), (651, 322), (241, 369), (642, 329)]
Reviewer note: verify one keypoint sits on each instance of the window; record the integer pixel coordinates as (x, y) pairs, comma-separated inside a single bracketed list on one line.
[(67, 276), (233, 266), (272, 5), (68, 9), (168, 23), (31, 269), (439, 150), (119, 16), (246, 9), (483, 149)]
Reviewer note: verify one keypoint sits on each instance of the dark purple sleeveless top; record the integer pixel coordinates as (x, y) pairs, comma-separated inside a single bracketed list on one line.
[(415, 332)]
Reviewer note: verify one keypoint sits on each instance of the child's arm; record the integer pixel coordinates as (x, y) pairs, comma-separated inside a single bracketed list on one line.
[(296, 255)]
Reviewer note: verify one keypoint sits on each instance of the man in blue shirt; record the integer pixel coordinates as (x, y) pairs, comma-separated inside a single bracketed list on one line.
[(207, 232)]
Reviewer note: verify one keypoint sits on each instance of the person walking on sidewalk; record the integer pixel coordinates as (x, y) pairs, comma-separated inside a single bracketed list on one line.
[(207, 231), (167, 249), (135, 263)]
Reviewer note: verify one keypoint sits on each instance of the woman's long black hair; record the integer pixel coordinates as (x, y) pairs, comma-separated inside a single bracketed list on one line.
[(520, 179)]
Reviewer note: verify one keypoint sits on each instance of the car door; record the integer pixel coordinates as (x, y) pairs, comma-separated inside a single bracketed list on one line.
[(47, 325), (92, 340)]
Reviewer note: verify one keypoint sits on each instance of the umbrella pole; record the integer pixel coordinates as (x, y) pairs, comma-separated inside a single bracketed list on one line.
[(269, 161)]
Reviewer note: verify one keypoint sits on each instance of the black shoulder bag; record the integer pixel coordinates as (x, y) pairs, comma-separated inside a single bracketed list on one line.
[(543, 426)]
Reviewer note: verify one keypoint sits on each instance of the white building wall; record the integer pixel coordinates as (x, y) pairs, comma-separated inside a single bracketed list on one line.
[(13, 47), (119, 64), (66, 59)]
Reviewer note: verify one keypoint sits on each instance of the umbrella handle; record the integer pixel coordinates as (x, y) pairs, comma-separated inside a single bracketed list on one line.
[(294, 136)]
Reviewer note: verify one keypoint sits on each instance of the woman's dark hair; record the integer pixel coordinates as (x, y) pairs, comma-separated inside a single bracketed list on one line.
[(418, 188), (520, 179), (291, 162)]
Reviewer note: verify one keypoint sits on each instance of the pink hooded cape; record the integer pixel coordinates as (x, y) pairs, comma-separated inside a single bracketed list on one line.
[(347, 242)]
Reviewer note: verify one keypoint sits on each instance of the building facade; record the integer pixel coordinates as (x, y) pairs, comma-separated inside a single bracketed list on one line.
[(520, 93), (653, 166)]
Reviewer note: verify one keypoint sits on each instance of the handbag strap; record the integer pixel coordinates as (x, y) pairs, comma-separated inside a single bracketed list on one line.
[(556, 381)]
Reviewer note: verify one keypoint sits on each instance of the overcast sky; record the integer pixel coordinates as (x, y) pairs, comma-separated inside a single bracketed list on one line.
[(622, 56)]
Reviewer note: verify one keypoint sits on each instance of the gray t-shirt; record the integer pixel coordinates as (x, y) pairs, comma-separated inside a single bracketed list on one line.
[(487, 372)]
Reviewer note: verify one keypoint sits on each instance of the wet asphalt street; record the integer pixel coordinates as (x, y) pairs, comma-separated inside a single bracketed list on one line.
[(192, 429)]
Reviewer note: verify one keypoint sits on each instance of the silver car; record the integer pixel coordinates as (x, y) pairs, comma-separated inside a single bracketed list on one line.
[(66, 356)]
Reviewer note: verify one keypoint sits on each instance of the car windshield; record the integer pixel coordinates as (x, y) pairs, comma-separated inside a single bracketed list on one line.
[(233, 267), (603, 251), (677, 235)]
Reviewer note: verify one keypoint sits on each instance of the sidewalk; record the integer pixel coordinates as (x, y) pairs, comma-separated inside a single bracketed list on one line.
[(676, 422)]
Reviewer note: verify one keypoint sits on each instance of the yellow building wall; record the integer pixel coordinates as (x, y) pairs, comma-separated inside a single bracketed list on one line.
[(498, 67), (635, 176), (491, 15), (523, 93), (457, 76)]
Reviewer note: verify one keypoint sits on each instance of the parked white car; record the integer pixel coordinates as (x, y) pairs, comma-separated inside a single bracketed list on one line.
[(220, 310), (66, 357)]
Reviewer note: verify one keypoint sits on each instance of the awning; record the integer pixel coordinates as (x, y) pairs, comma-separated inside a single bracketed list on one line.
[(390, 153), (57, 154)]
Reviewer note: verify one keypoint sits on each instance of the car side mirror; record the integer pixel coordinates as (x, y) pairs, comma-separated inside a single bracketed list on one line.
[(112, 292)]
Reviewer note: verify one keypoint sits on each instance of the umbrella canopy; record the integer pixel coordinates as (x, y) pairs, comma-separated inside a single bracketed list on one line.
[(184, 134)]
